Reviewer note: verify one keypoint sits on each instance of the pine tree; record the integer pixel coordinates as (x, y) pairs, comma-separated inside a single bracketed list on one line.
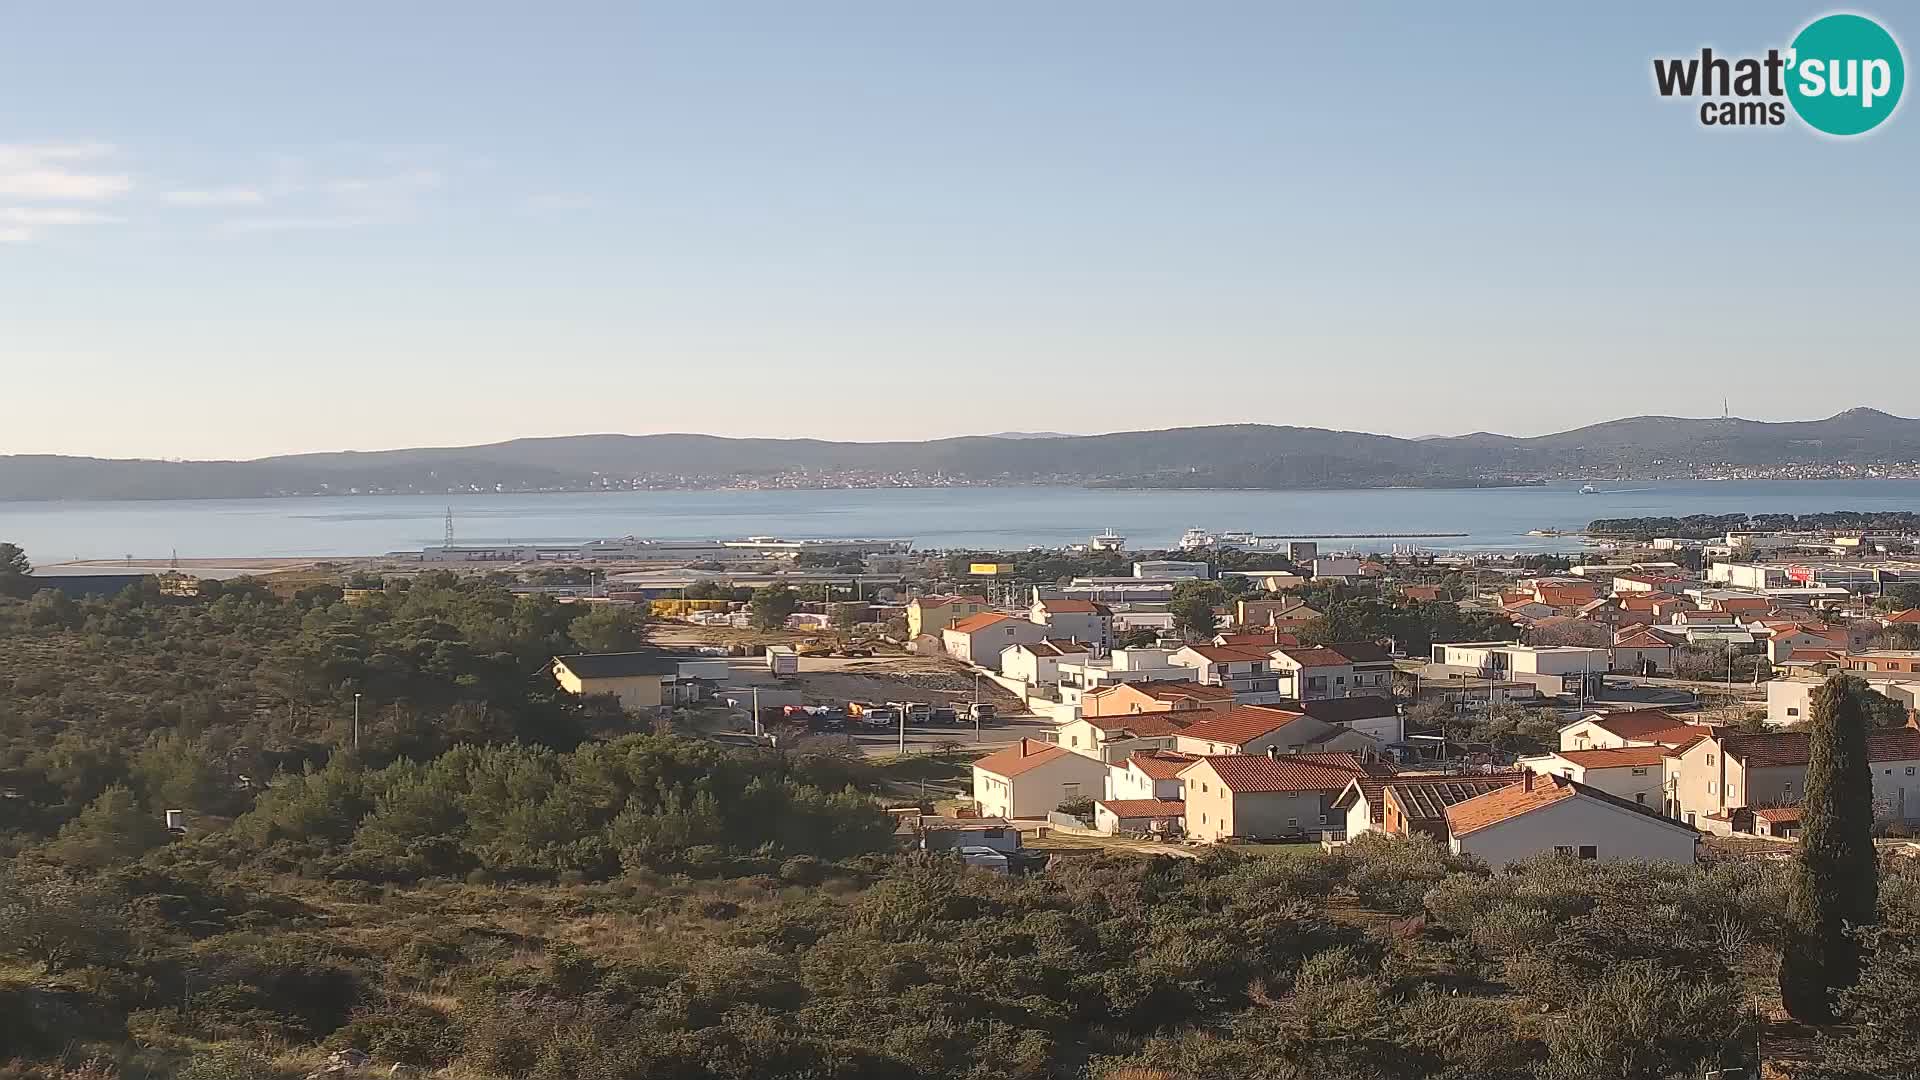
[(1835, 881)]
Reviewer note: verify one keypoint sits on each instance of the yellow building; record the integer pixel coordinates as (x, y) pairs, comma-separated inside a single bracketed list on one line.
[(635, 679), (932, 614)]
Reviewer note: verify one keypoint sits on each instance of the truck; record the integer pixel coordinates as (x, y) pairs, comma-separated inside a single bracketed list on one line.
[(983, 713), (918, 713), (782, 660)]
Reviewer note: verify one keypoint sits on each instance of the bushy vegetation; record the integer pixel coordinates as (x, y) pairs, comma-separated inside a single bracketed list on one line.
[(500, 884)]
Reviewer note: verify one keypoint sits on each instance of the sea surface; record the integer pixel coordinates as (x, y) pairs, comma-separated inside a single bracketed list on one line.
[(1490, 519)]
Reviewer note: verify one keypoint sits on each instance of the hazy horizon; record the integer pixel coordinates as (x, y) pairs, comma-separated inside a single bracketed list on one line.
[(229, 232), (1012, 435)]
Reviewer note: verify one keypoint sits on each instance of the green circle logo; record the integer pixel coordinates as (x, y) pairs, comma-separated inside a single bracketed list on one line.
[(1845, 74)]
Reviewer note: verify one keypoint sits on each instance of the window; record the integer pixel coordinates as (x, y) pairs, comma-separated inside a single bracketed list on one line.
[(1689, 817), (1073, 740), (1589, 851), (1709, 760), (1792, 711), (1203, 819), (1069, 792), (1293, 823), (1709, 787), (1563, 849), (1909, 770), (1640, 770), (1640, 797), (1323, 819)]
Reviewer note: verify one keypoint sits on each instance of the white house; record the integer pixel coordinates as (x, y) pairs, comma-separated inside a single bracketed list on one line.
[(1260, 730), (1639, 727), (1037, 663), (1075, 620), (1634, 773), (1111, 738), (1545, 815), (1247, 672), (979, 639), (1376, 717), (1139, 816), (1078, 678), (1148, 774), (1031, 779)]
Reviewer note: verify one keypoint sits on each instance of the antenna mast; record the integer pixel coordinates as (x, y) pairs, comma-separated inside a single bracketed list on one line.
[(449, 539)]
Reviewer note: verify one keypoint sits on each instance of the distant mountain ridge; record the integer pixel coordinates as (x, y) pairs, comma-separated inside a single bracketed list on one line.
[(1252, 456)]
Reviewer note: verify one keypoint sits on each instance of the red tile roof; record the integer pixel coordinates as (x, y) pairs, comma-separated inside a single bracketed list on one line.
[(1074, 607), (1316, 656), (1617, 757), (1225, 654), (1146, 725), (1788, 748), (1911, 615), (981, 621), (1241, 725), (1777, 814), (1245, 774), (1161, 764), (1640, 638), (1144, 808), (947, 600), (1510, 802), (1023, 756), (1428, 799), (1637, 724), (1172, 689), (1053, 647), (1255, 641)]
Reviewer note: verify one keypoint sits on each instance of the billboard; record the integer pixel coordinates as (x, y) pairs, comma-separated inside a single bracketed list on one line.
[(991, 569)]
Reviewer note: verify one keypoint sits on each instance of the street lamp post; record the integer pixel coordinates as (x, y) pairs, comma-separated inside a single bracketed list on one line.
[(356, 720)]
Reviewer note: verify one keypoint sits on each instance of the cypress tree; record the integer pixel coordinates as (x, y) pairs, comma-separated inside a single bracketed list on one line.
[(1835, 881)]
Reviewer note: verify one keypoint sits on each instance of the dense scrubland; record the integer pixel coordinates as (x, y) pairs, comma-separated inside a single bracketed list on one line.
[(498, 883)]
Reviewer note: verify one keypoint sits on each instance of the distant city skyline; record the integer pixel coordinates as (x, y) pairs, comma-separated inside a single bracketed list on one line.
[(230, 232)]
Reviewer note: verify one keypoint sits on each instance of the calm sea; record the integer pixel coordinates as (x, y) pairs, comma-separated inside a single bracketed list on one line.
[(987, 518)]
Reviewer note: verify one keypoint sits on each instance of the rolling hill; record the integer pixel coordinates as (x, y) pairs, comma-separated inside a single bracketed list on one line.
[(1230, 456)]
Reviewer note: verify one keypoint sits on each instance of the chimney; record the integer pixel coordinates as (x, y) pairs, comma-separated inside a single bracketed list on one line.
[(1273, 751), (1526, 782)]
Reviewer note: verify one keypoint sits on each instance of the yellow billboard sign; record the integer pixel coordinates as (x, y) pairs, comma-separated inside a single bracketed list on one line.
[(989, 569)]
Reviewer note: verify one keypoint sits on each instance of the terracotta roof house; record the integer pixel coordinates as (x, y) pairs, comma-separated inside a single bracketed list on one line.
[(1780, 822), (1634, 773), (1037, 663), (934, 613), (1257, 729), (1139, 815), (1261, 796), (1726, 770), (1079, 620), (1031, 779), (1419, 804), (1113, 738), (1616, 729), (1170, 695), (1423, 594), (1544, 815), (1639, 651), (979, 639), (1148, 774)]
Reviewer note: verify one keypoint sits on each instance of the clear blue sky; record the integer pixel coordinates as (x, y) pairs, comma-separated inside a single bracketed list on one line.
[(233, 229)]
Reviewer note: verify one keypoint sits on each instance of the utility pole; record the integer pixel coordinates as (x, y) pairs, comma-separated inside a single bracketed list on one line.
[(356, 720)]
